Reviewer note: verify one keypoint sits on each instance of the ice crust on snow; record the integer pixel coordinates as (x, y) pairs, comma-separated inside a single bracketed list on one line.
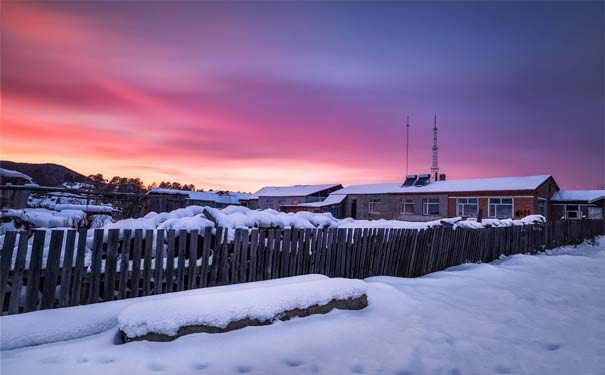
[(219, 309)]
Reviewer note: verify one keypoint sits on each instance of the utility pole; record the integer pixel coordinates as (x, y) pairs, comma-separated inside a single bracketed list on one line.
[(407, 146), (435, 166)]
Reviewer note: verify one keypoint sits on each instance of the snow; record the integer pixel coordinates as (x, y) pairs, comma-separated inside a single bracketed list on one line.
[(14, 174), (290, 191), (41, 217), (578, 195), (40, 327), (525, 314), (330, 200), (218, 310), (84, 207), (208, 196), (451, 186)]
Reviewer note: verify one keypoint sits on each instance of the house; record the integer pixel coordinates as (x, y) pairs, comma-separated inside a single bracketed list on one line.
[(332, 204), (420, 199), (576, 204), (14, 198), (166, 200), (280, 197)]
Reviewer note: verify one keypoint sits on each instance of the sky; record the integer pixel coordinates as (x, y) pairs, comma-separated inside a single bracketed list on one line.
[(242, 95)]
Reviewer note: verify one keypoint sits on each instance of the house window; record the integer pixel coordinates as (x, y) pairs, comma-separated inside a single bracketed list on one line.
[(269, 203), (295, 201), (406, 206), (374, 207), (572, 211), (542, 206), (335, 211), (467, 207), (501, 208), (280, 203), (430, 206), (595, 212)]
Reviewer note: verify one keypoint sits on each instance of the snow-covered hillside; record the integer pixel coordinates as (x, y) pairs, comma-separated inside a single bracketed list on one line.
[(525, 314)]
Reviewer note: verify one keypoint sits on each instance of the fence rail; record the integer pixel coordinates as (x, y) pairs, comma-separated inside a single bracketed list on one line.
[(41, 274)]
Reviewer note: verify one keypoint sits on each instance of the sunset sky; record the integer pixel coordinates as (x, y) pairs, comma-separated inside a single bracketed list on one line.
[(241, 95)]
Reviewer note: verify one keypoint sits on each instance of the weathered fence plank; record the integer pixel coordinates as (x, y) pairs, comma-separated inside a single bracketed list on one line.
[(33, 274)]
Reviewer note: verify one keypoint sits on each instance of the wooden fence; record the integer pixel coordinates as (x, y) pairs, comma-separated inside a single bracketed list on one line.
[(64, 273)]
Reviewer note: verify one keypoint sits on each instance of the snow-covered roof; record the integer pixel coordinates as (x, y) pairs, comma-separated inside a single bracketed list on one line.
[(451, 186), (578, 195), (209, 196), (330, 200), (291, 191), (14, 174)]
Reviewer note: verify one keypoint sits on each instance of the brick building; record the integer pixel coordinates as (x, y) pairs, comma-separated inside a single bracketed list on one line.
[(419, 199), (281, 197), (576, 204)]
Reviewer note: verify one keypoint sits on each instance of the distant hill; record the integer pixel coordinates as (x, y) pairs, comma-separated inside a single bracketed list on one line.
[(45, 174)]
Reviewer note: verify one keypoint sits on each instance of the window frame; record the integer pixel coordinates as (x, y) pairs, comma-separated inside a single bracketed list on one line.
[(494, 215), (578, 211), (459, 203), (404, 203), (545, 206), (426, 203), (374, 205)]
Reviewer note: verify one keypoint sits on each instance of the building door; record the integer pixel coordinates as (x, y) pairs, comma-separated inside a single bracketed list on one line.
[(354, 208)]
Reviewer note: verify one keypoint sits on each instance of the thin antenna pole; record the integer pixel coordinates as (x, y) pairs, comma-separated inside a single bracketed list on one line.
[(407, 146)]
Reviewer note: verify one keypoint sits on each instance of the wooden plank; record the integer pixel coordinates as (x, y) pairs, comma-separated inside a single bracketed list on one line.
[(224, 271), (293, 250), (192, 270), (268, 272), (180, 272), (6, 260), (313, 257), (169, 287), (33, 273), (79, 269), (244, 262), (18, 270), (346, 253), (300, 251), (285, 257), (137, 250), (253, 255), (158, 272), (67, 267), (52, 270), (235, 255), (305, 255), (94, 285), (205, 267), (124, 260), (110, 264), (216, 256), (147, 255)]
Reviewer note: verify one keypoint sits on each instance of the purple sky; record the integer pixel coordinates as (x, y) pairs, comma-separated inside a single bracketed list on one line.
[(237, 96)]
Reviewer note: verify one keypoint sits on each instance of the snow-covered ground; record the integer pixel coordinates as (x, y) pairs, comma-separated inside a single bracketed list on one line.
[(525, 314)]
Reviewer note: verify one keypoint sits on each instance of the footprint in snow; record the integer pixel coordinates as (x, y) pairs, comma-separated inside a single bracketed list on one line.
[(82, 360), (106, 360), (358, 369), (404, 372), (199, 366), (503, 370), (154, 366), (552, 347), (243, 369), (293, 362), (53, 359)]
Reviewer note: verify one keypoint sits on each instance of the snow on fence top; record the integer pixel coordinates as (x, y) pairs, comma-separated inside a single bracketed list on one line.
[(578, 195), (167, 316), (451, 186), (291, 191), (14, 174)]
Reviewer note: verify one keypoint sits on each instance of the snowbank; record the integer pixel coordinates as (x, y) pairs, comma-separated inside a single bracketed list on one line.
[(168, 316), (47, 326)]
